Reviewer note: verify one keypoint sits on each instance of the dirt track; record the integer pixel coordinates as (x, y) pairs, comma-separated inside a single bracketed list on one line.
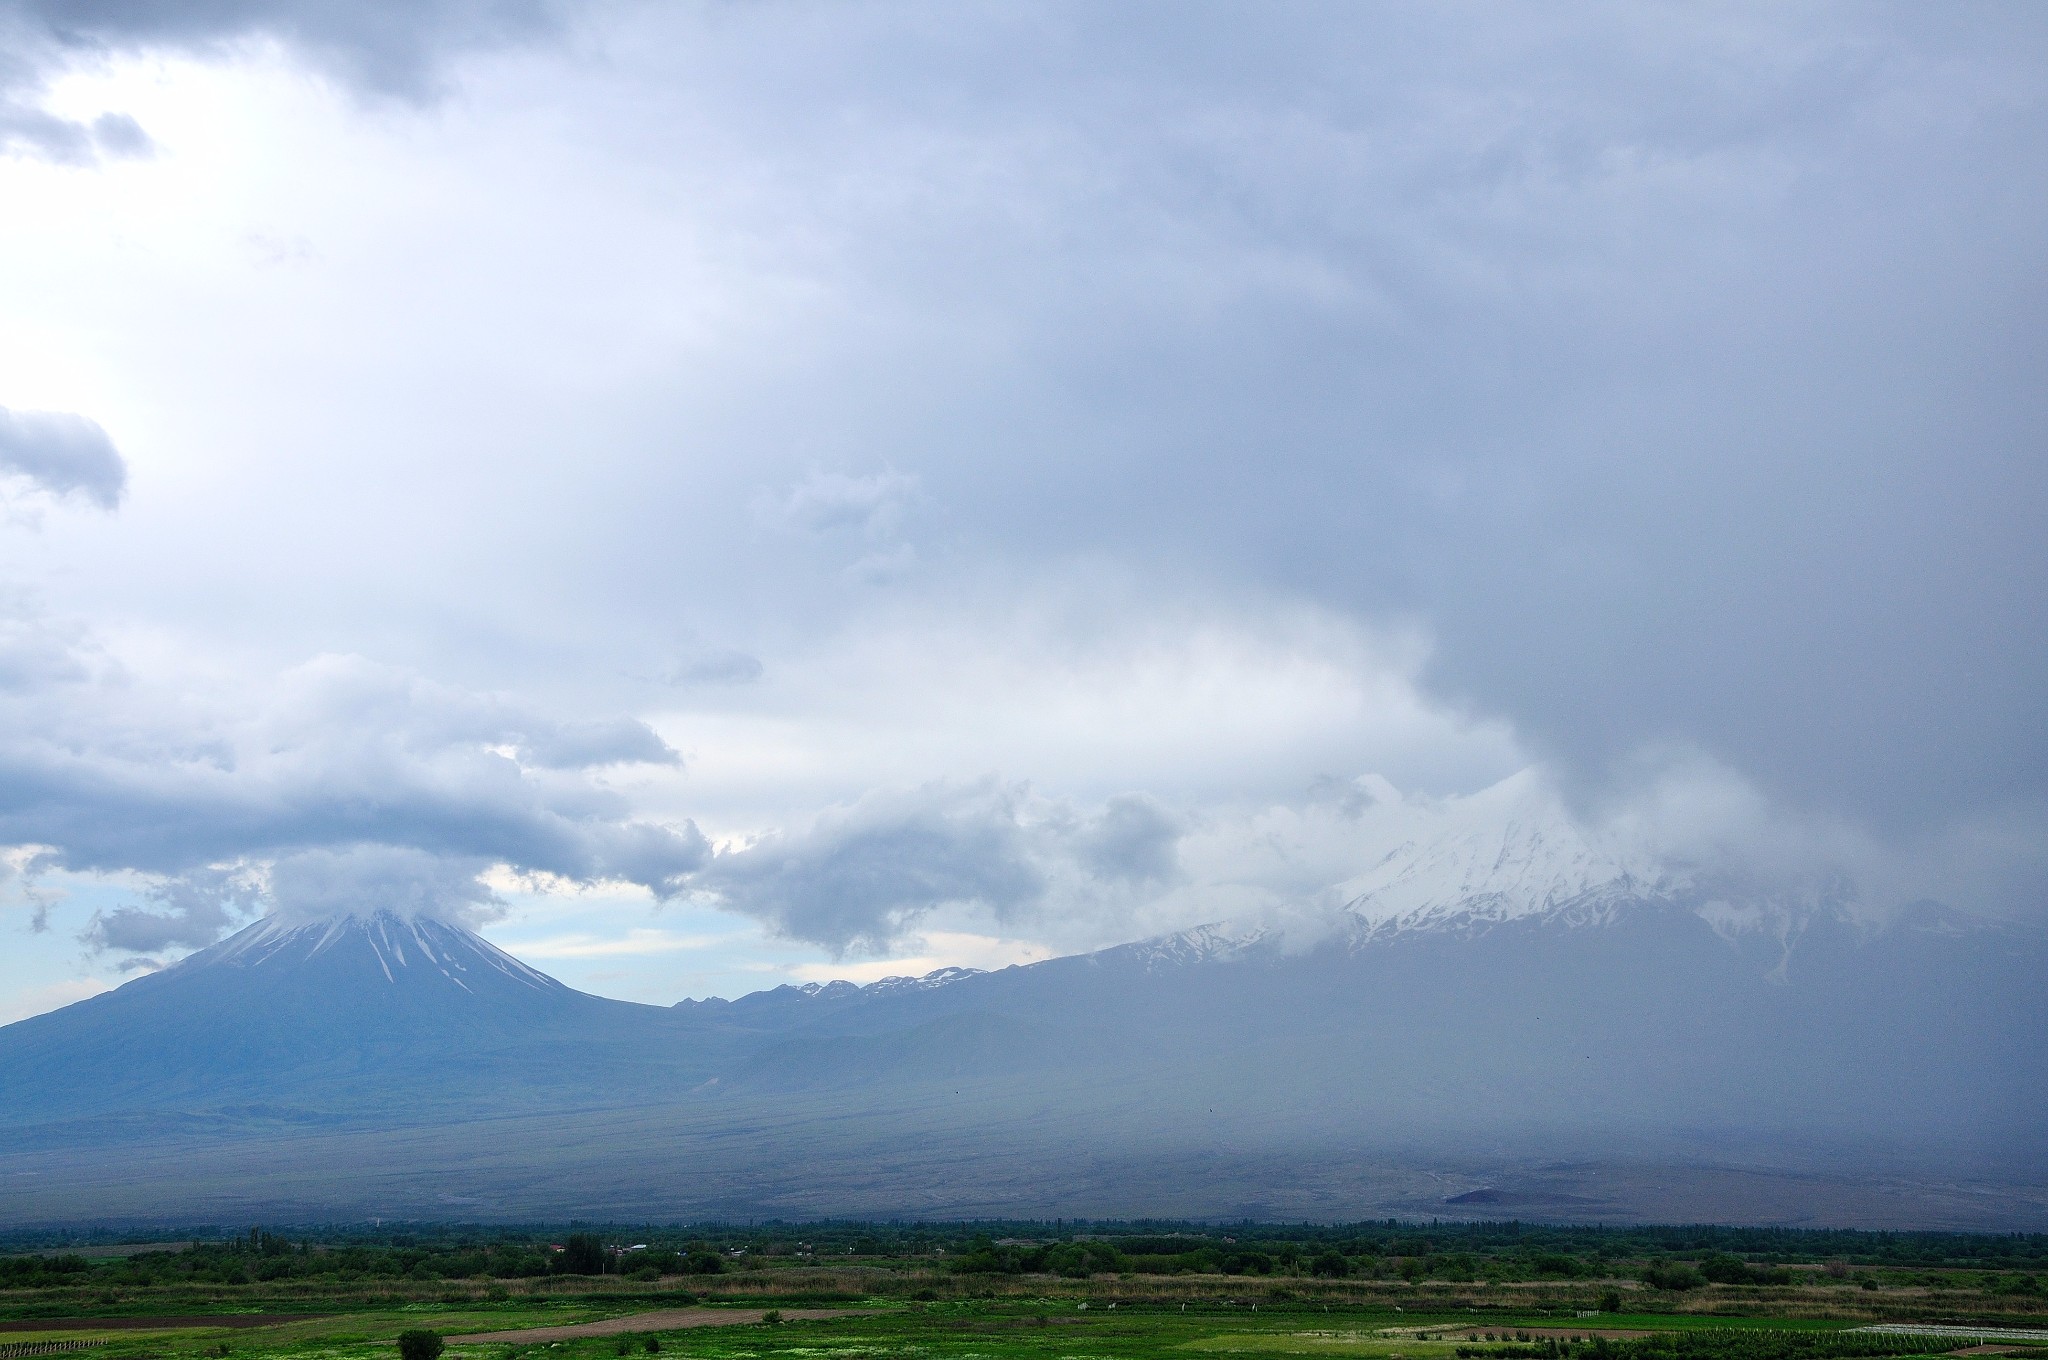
[(667, 1320), (154, 1324), (1477, 1336)]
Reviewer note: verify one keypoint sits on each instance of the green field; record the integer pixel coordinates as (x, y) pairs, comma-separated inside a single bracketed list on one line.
[(1051, 1328), (1035, 1291)]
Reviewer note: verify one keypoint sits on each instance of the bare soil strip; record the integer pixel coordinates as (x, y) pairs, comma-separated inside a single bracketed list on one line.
[(1960, 1332), (154, 1324), (672, 1319), (1465, 1331)]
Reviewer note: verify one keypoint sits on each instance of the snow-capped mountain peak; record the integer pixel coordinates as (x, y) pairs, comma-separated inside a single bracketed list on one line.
[(401, 947), (1510, 851)]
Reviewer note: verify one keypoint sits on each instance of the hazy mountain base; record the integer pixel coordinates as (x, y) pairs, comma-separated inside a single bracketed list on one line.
[(792, 1158), (1645, 1069), (787, 1158)]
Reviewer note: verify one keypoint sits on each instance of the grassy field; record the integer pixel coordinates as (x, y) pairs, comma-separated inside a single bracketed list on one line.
[(1384, 1291), (1065, 1320), (1048, 1328)]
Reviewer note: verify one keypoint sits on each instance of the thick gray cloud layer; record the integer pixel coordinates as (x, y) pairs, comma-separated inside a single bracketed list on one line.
[(1686, 394), (1675, 371), (1680, 366)]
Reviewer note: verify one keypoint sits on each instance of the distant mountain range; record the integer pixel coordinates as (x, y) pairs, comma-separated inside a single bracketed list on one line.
[(1502, 1020)]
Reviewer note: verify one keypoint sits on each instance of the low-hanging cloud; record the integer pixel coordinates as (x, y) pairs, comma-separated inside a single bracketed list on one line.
[(189, 911), (863, 877), (403, 880), (63, 455), (348, 786), (876, 875)]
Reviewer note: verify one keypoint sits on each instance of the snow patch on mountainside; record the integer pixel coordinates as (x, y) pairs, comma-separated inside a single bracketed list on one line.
[(1223, 943)]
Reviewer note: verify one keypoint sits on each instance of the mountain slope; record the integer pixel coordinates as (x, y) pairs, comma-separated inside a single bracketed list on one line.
[(357, 1018), (1502, 994)]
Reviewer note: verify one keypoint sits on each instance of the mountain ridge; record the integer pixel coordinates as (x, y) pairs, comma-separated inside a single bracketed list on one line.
[(1669, 1026)]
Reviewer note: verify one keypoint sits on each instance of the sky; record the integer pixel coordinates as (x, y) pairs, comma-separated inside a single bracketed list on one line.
[(724, 494)]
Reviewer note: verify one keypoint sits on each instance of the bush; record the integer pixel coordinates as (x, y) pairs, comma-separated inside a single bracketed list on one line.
[(1723, 1268), (653, 1345), (1672, 1275), (772, 1316), (420, 1344), (1610, 1302), (1331, 1265)]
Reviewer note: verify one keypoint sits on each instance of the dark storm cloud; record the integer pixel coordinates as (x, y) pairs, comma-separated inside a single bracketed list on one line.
[(1135, 839), (1683, 368), (861, 878), (394, 48), (1677, 368), (65, 455)]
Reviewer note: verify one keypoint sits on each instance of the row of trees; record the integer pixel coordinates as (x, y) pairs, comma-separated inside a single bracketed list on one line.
[(587, 1254), (264, 1257), (1519, 1245), (1451, 1252)]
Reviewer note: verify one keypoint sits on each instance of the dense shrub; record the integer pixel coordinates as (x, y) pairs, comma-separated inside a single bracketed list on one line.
[(1557, 1264), (1721, 1268), (1673, 1275), (419, 1344)]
